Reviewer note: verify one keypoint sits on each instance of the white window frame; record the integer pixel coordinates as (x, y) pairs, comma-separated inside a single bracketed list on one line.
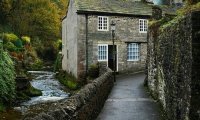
[(106, 48), (142, 26), (133, 50), (106, 24)]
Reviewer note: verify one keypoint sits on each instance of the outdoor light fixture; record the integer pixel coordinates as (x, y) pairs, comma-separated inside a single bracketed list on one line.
[(113, 27)]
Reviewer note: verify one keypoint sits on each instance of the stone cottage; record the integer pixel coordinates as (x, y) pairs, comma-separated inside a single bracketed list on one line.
[(87, 39)]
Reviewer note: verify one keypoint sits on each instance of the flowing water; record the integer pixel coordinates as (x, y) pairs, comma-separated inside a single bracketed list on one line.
[(51, 89)]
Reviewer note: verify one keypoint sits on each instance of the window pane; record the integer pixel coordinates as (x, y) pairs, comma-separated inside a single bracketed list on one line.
[(133, 51), (103, 23), (102, 52), (143, 25)]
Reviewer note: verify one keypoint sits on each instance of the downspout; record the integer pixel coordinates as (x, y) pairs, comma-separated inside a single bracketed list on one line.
[(86, 43)]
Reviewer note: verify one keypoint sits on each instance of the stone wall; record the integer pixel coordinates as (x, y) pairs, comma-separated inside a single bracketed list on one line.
[(127, 31), (85, 105), (195, 85), (80, 45), (173, 66), (69, 40)]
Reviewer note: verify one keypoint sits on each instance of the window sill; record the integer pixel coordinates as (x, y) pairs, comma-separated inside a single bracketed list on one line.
[(103, 30), (133, 60), (142, 32), (102, 60)]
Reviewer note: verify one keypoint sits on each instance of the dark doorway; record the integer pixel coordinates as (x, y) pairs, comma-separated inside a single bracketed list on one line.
[(110, 57)]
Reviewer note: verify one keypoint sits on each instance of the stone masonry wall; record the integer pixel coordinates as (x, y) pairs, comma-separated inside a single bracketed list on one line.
[(170, 66), (195, 85), (85, 105), (127, 31)]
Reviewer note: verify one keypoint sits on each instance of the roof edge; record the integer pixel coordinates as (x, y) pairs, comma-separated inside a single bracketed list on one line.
[(114, 14)]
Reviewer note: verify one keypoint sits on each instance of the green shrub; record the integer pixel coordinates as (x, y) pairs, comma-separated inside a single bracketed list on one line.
[(93, 71), (25, 40), (37, 65), (18, 43), (72, 85), (58, 63), (59, 44), (68, 80), (10, 47), (47, 51), (7, 78), (10, 37)]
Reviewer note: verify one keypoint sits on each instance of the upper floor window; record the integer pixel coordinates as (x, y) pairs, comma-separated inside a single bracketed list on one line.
[(103, 23), (133, 52), (143, 25)]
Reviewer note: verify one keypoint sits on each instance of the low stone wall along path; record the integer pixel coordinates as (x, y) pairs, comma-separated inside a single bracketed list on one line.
[(129, 101)]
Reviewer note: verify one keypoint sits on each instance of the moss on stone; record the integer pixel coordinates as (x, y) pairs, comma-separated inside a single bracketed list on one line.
[(32, 92), (28, 93)]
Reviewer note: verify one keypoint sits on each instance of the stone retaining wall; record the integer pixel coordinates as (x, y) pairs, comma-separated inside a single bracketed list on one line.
[(173, 66), (85, 105)]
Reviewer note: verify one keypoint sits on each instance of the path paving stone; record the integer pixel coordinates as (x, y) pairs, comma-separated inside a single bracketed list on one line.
[(129, 101)]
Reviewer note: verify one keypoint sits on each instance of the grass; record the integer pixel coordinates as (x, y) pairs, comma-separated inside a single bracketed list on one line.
[(68, 80), (72, 85)]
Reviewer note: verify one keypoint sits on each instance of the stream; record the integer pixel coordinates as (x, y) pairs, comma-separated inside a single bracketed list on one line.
[(51, 89)]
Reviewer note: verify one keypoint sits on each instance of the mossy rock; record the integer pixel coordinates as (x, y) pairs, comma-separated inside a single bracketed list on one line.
[(33, 92)]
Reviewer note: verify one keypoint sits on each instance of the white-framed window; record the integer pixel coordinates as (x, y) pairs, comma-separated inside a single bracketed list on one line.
[(102, 52), (143, 25), (103, 23), (133, 52)]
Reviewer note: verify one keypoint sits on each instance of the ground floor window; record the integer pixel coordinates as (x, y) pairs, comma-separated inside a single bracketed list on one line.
[(133, 53), (102, 52)]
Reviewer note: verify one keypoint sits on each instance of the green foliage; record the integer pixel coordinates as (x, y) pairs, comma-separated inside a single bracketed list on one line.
[(18, 43), (68, 80), (58, 63), (72, 85), (93, 71), (47, 50), (37, 65), (187, 9), (25, 40), (58, 44), (9, 37), (7, 78), (37, 18), (10, 47)]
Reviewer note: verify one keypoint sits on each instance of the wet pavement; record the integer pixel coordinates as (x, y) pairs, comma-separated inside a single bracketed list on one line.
[(129, 101)]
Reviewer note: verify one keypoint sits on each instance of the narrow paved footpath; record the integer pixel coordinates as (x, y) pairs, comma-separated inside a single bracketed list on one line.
[(129, 101)]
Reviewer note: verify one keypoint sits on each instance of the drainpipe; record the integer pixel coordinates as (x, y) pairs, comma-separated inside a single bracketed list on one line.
[(86, 43)]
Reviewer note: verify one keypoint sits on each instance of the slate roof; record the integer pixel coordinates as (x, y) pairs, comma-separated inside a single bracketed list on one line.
[(126, 7)]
